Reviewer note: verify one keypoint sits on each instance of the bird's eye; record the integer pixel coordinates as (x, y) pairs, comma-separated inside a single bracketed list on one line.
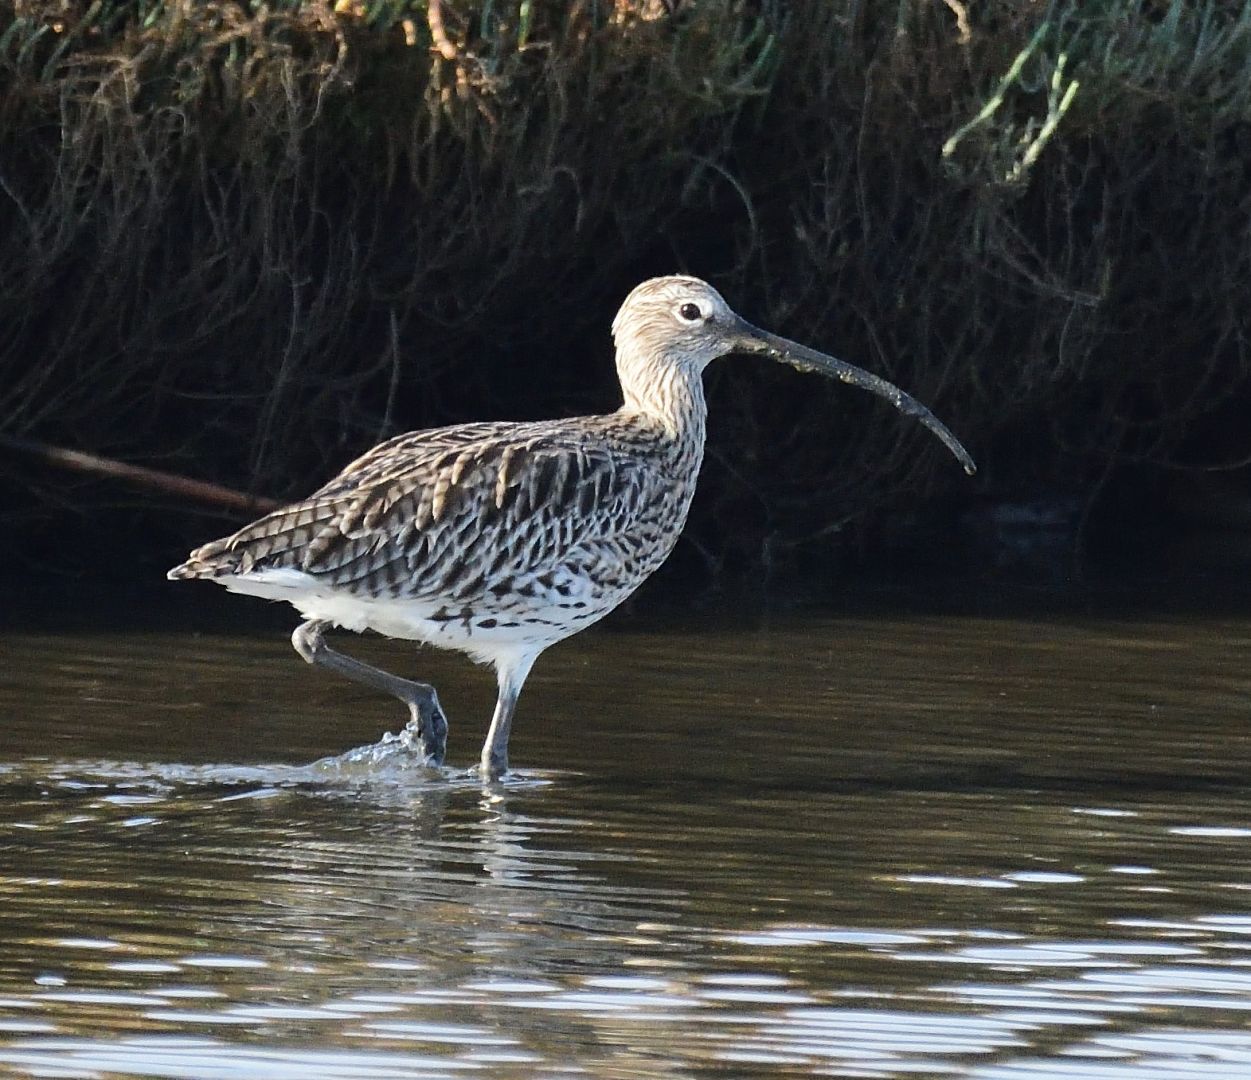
[(690, 312)]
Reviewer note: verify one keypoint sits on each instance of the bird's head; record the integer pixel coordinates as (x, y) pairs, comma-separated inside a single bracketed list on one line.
[(676, 320), (684, 323)]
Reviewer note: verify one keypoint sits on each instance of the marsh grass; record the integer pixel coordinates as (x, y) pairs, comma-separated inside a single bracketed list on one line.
[(245, 240), (1070, 292)]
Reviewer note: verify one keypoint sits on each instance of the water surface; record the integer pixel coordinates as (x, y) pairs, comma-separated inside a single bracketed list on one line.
[(804, 845)]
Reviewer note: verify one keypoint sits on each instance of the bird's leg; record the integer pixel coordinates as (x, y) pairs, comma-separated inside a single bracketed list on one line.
[(512, 676), (421, 699)]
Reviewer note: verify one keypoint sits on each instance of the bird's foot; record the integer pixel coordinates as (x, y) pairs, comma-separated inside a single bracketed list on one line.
[(428, 728), (492, 767)]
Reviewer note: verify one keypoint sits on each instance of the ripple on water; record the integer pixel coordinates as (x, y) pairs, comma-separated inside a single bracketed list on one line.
[(1178, 1054), (197, 1058), (940, 861)]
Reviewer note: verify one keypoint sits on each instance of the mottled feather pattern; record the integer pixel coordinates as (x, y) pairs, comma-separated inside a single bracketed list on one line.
[(484, 517)]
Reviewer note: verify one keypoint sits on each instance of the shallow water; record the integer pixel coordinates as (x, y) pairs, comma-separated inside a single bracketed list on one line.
[(806, 845)]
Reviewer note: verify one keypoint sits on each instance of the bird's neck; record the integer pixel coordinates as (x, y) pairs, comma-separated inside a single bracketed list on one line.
[(671, 395)]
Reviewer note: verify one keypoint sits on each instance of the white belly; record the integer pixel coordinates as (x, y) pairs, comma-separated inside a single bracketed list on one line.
[(483, 635)]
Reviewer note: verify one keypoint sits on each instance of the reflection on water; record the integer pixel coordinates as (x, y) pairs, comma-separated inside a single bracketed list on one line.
[(823, 846)]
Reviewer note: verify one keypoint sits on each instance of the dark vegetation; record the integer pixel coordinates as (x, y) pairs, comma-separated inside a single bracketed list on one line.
[(244, 241)]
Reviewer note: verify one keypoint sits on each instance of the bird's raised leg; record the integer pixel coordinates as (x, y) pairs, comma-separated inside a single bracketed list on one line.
[(421, 699), (512, 674)]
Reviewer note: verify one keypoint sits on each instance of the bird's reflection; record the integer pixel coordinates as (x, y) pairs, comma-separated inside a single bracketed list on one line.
[(438, 870)]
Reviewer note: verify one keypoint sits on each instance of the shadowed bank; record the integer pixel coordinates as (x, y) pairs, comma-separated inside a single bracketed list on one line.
[(244, 242)]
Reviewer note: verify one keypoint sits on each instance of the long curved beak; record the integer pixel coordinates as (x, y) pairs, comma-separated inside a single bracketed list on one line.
[(752, 339)]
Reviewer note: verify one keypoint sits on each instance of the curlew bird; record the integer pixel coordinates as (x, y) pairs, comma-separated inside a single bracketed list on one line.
[(501, 539)]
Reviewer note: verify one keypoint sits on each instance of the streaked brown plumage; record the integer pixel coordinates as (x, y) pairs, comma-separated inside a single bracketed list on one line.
[(500, 539)]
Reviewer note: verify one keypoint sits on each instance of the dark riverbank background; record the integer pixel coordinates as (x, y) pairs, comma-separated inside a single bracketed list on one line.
[(242, 242)]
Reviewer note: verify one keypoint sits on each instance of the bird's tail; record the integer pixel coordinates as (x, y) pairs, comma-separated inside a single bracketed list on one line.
[(279, 539), (206, 562)]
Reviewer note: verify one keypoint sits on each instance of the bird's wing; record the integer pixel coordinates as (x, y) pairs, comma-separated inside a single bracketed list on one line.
[(450, 512)]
